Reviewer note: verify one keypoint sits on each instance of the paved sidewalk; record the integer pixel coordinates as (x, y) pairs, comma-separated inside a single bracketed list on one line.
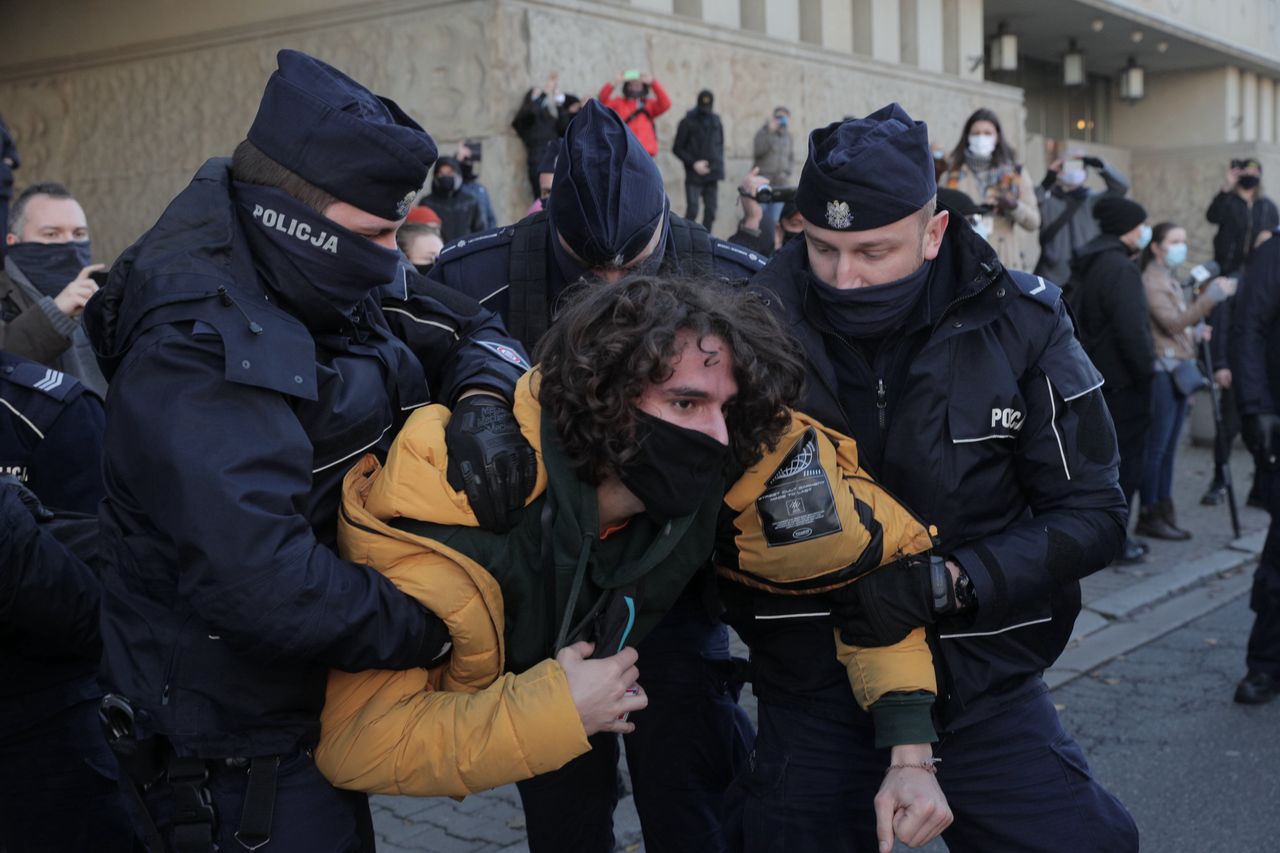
[(1125, 607)]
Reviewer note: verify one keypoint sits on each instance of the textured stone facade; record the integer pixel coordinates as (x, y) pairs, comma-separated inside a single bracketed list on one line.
[(126, 128)]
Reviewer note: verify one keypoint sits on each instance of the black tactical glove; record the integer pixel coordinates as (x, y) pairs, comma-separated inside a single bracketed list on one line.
[(1092, 162), (38, 511), (489, 459), (1262, 437), (885, 606)]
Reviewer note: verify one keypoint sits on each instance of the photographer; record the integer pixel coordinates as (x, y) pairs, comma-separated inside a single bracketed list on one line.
[(984, 167), (1241, 212), (639, 101), (758, 230), (1066, 210)]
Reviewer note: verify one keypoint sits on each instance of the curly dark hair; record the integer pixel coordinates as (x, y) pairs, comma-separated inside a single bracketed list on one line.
[(613, 340)]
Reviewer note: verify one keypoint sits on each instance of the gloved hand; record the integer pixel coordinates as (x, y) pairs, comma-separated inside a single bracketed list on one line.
[(1262, 436), (885, 606), (489, 459), (1092, 162), (38, 511)]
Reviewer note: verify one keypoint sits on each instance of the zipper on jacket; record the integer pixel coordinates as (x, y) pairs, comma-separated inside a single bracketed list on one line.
[(882, 404)]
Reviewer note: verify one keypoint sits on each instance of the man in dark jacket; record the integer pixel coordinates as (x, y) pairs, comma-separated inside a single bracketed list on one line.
[(47, 280), (700, 146), (459, 211), (59, 783), (1241, 212), (971, 401), (262, 335), (1255, 367), (543, 116), (1110, 307), (8, 162), (608, 216)]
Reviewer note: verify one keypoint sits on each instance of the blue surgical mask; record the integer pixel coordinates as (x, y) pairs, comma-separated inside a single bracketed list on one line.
[(1175, 255), (1144, 236)]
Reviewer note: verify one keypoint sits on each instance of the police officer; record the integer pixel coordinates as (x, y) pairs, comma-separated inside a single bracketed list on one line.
[(251, 364), (1255, 366), (971, 401), (51, 434), (608, 216), (52, 752)]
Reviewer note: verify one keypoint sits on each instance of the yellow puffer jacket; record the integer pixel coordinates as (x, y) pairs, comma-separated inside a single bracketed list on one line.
[(467, 726)]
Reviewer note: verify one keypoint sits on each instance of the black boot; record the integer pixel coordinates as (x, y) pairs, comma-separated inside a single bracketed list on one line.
[(1255, 498), (1151, 523), (1215, 494), (1132, 553), (1171, 519), (1257, 688)]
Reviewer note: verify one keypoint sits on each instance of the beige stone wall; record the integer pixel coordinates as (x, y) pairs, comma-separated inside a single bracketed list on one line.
[(1251, 24), (127, 125)]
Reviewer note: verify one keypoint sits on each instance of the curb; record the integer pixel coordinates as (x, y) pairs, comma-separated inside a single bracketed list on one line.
[(1128, 618)]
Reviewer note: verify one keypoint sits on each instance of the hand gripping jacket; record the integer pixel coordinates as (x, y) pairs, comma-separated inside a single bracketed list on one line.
[(471, 724)]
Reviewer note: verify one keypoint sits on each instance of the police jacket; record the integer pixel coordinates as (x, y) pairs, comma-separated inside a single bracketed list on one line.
[(988, 423), (1110, 306), (1254, 351), (500, 709), (51, 434), (49, 595), (229, 427), (512, 270)]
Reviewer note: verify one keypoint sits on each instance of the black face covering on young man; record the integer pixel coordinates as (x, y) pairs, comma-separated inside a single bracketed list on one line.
[(674, 467)]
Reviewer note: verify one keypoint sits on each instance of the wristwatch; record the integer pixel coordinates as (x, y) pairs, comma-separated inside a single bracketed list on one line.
[(966, 596)]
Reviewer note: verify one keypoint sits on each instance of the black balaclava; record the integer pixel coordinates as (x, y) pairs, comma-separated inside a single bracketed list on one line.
[(674, 467)]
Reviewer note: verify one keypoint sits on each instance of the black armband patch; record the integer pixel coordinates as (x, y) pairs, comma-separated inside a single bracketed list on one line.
[(1064, 557), (1095, 436)]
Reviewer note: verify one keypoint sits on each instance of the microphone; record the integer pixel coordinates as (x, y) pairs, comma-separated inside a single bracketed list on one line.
[(1202, 273)]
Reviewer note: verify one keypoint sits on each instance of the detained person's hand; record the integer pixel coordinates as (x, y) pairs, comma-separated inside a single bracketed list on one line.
[(910, 805), (604, 690), (489, 459)]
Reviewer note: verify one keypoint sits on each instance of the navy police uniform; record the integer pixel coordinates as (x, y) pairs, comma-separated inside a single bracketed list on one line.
[(692, 738), (1255, 367), (253, 360), (980, 411), (51, 434), (52, 753)]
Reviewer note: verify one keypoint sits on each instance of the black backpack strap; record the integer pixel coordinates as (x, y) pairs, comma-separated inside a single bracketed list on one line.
[(528, 314), (1047, 235), (692, 245), (642, 111)]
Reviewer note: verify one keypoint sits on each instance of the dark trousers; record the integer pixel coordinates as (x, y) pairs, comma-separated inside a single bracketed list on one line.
[(310, 814), (1131, 412), (1168, 414), (1263, 653), (688, 746), (59, 786), (1016, 782), (707, 192)]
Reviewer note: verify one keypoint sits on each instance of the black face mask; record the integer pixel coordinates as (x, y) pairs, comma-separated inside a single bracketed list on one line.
[(674, 468), (423, 269), (1248, 182), (874, 311), (446, 184), (50, 267), (788, 236), (310, 259)]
